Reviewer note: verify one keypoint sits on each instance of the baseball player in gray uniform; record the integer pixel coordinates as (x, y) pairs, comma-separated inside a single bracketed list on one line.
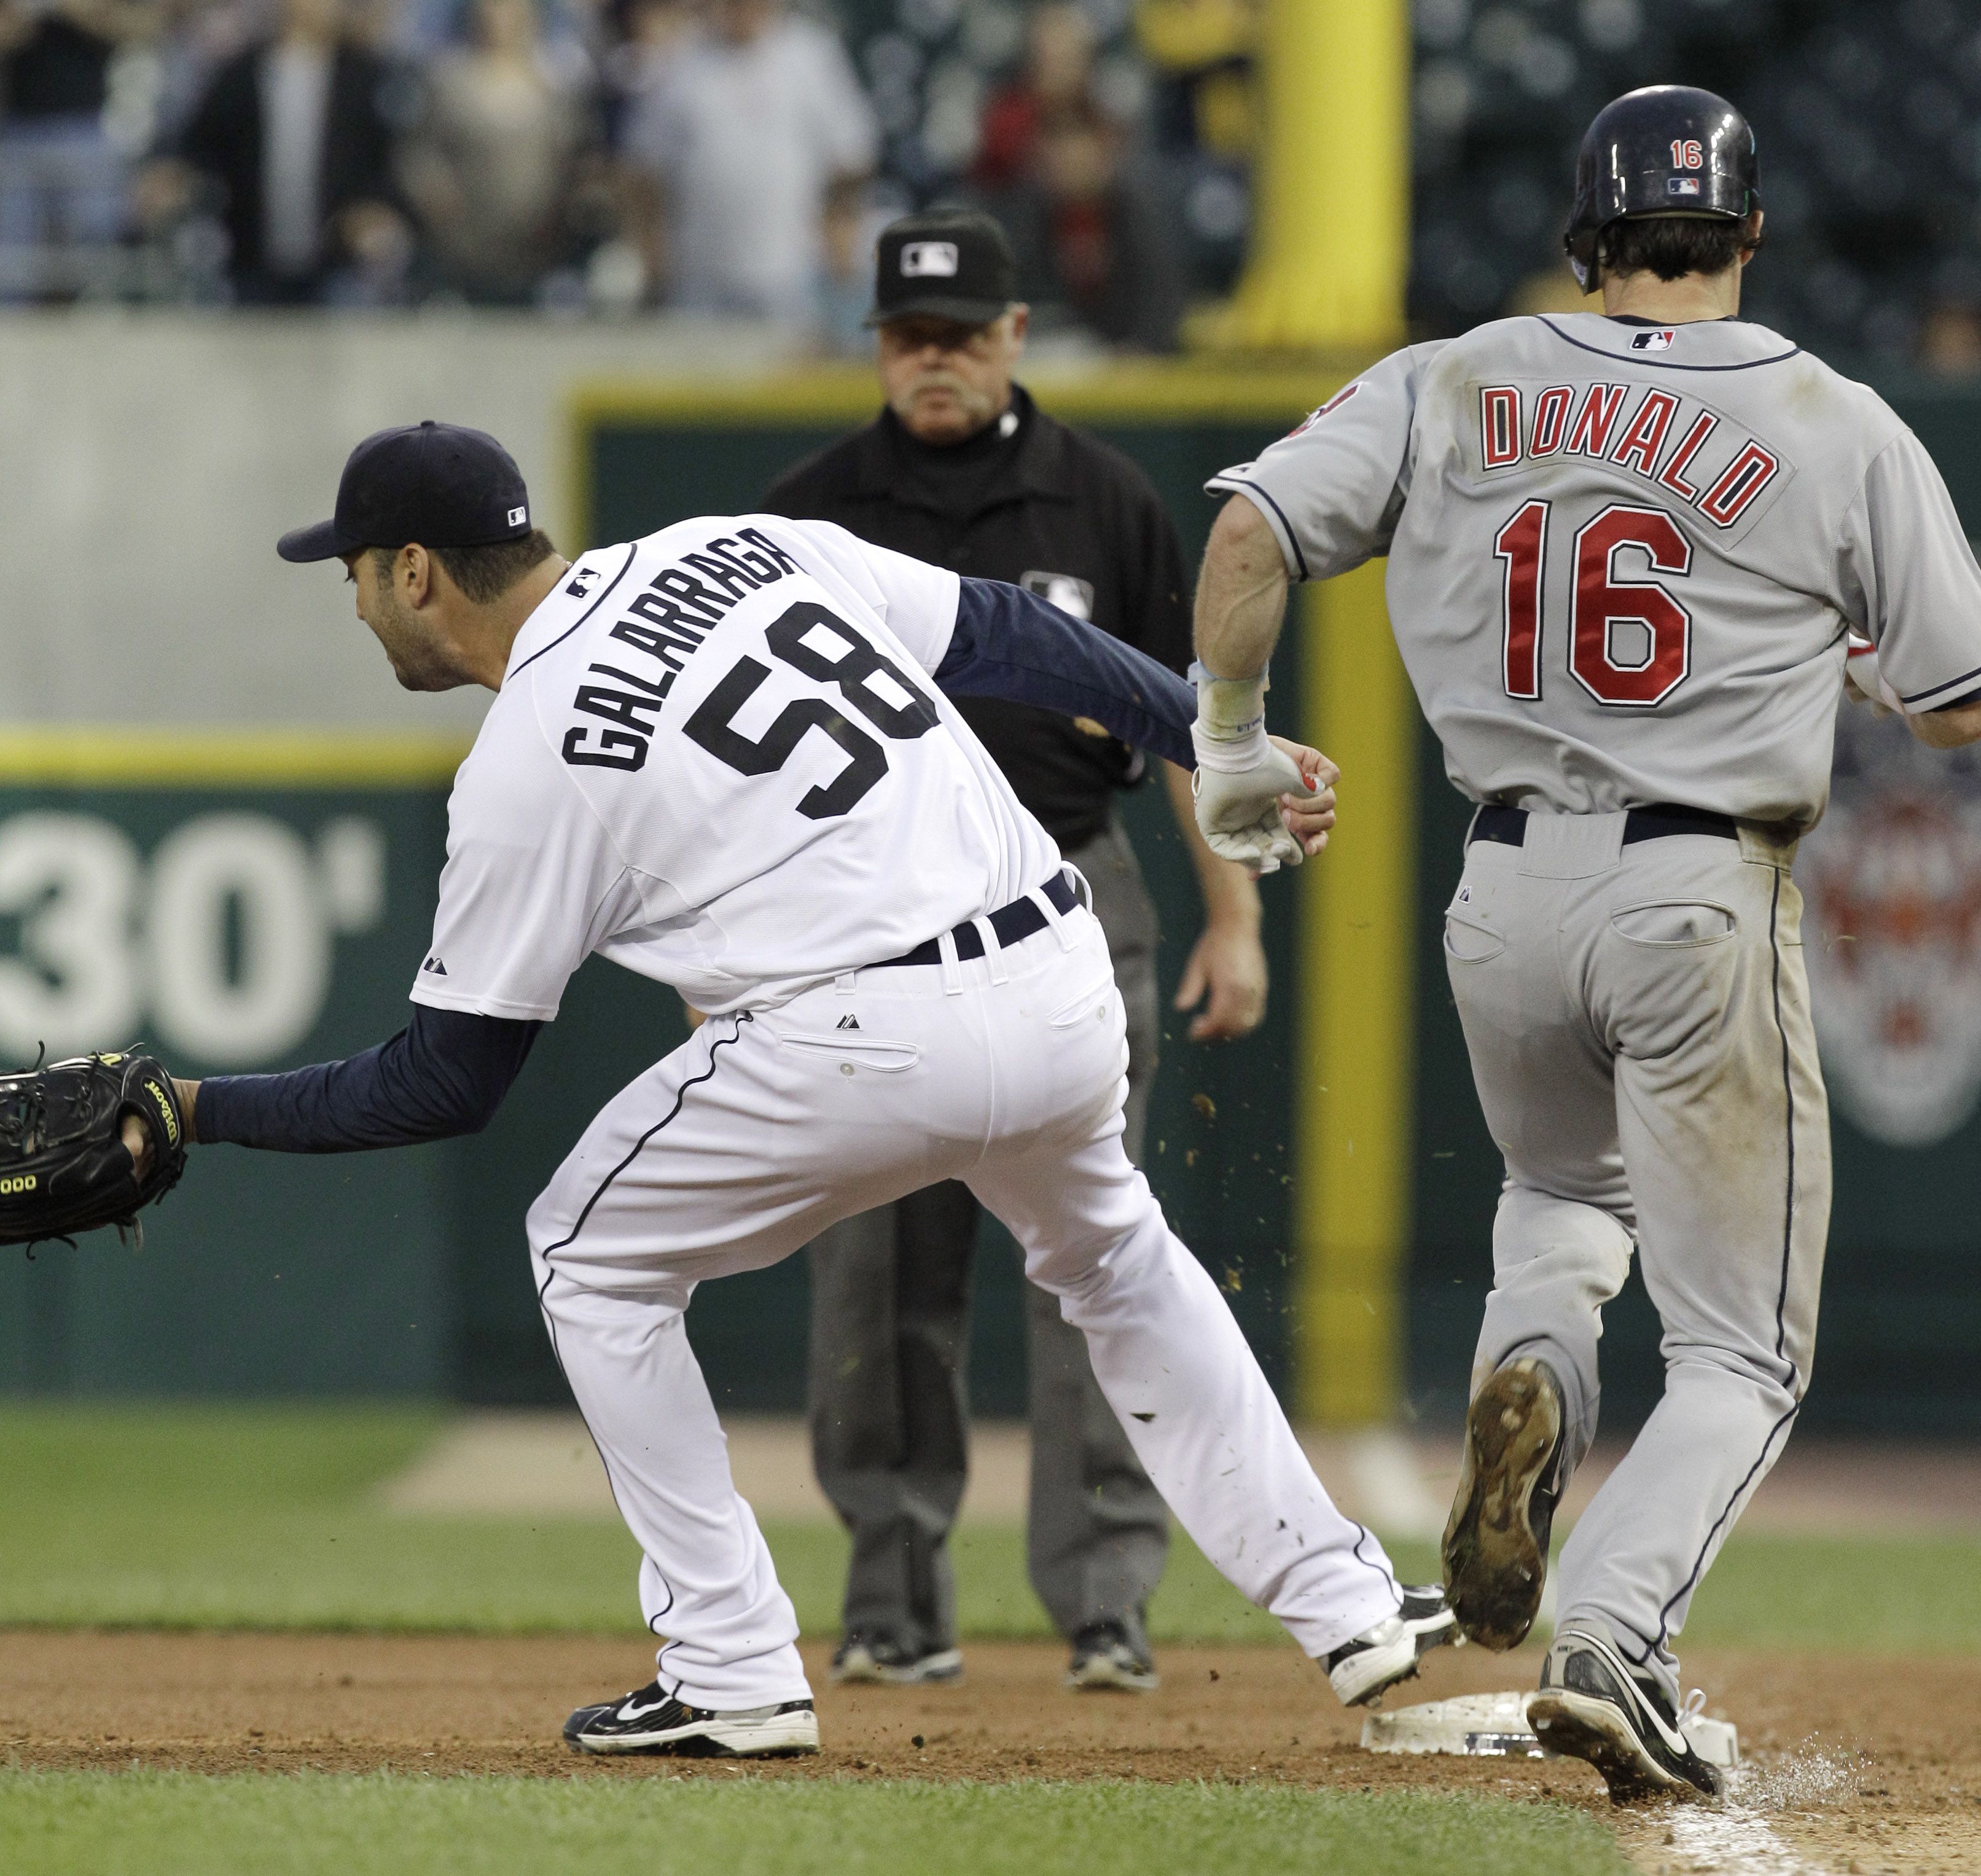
[(1626, 550)]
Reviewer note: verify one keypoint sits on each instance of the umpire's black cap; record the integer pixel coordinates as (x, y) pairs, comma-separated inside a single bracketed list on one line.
[(434, 483), (949, 264)]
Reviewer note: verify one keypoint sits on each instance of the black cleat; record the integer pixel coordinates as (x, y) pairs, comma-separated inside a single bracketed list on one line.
[(1495, 1542), (1363, 1669), (877, 1660), (1104, 1656), (1592, 1707), (650, 1721)]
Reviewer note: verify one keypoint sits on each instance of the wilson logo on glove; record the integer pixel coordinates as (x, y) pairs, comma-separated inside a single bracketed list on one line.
[(64, 1166), (168, 1113)]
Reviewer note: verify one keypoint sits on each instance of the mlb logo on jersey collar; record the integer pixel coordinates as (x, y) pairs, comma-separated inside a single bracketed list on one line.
[(1659, 341)]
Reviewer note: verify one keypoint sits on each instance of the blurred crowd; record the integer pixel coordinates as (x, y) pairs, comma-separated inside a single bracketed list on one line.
[(736, 156), (1867, 112), (727, 157)]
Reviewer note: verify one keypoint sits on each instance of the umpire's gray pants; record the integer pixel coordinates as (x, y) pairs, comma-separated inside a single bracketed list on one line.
[(890, 1419), (1639, 1024)]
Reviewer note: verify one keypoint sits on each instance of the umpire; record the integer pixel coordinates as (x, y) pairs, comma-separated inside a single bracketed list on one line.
[(962, 468)]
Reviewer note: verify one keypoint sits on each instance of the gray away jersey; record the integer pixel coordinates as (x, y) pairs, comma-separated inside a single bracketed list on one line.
[(1623, 558)]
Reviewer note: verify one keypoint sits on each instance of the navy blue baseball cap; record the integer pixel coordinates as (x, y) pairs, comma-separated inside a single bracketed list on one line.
[(436, 483)]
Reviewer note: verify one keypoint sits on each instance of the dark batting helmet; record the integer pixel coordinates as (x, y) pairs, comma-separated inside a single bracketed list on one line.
[(1667, 149)]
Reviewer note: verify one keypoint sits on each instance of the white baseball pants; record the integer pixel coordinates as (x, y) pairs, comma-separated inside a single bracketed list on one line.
[(1007, 1072)]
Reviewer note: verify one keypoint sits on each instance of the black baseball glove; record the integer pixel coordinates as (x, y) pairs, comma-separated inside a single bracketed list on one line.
[(63, 1167)]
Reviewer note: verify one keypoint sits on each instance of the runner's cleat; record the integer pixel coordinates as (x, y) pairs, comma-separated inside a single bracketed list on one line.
[(1591, 1707), (1496, 1543)]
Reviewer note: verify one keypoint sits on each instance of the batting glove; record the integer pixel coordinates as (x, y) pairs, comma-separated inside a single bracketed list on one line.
[(1240, 776)]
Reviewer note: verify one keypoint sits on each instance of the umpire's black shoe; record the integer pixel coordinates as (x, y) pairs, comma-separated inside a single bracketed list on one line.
[(1365, 1667), (1104, 1658), (878, 1659), (1496, 1541), (1592, 1707), (650, 1721)]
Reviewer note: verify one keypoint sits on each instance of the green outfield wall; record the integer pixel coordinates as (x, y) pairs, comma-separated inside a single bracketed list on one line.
[(235, 908), (252, 900)]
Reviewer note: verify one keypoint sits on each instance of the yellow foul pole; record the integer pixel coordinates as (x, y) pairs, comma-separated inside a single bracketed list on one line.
[(1354, 1099), (1327, 275), (1331, 217)]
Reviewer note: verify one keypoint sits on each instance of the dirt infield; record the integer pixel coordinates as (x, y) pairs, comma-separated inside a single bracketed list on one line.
[(1857, 1765)]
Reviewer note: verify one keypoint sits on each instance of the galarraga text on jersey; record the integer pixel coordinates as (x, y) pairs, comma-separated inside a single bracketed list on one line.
[(665, 625)]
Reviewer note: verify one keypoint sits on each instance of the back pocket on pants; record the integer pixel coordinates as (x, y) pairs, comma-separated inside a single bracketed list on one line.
[(1468, 939), (1083, 1007), (854, 1051), (1674, 925)]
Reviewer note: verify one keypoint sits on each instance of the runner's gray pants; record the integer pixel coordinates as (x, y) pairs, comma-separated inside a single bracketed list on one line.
[(1639, 1025)]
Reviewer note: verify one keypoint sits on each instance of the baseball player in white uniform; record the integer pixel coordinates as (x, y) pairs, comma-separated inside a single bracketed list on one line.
[(1624, 551), (723, 757)]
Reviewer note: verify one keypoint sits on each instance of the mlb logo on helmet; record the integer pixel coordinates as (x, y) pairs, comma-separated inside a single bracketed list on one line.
[(921, 258), (1659, 341), (1681, 185)]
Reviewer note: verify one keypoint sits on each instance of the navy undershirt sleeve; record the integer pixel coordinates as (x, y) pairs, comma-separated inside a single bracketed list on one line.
[(1010, 644), (444, 1074)]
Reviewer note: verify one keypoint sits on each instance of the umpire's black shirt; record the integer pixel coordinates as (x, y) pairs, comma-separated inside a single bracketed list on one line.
[(1042, 506)]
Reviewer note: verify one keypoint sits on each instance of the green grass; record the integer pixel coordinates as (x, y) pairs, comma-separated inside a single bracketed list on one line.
[(1899, 1593), (149, 1823), (265, 1517)]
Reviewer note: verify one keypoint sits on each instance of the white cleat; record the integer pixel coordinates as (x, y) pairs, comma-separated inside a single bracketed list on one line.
[(1363, 1669)]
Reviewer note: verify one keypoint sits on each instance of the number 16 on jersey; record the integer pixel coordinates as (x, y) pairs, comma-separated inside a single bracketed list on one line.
[(1599, 601)]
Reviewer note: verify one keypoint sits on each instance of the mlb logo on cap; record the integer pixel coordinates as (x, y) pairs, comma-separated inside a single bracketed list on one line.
[(920, 259), (1659, 341), (438, 484), (1681, 185), (946, 264)]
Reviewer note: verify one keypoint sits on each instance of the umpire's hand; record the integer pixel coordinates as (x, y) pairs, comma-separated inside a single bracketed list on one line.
[(1226, 972)]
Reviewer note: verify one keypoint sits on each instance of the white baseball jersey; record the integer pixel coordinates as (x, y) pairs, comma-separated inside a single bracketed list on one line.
[(1623, 558), (717, 759)]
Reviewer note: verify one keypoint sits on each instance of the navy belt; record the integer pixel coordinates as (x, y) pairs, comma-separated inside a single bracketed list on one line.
[(1509, 826), (1012, 923)]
